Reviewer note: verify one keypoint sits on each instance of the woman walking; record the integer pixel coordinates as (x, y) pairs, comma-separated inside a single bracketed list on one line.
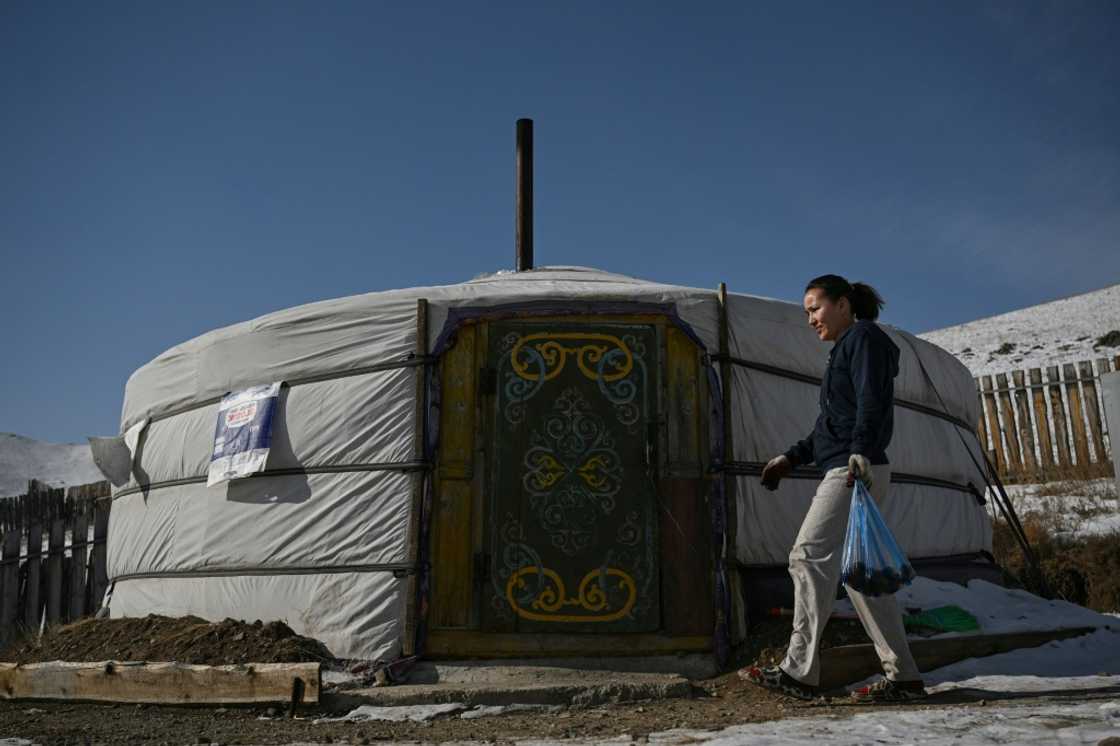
[(849, 441)]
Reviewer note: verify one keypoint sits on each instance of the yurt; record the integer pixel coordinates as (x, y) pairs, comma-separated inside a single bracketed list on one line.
[(553, 462)]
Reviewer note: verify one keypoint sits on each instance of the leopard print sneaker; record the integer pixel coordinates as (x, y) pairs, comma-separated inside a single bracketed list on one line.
[(773, 677), (887, 690)]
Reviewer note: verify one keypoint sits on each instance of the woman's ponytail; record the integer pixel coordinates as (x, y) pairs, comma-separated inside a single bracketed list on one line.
[(865, 300)]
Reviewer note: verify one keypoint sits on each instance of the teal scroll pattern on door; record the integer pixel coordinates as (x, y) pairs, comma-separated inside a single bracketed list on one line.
[(573, 517)]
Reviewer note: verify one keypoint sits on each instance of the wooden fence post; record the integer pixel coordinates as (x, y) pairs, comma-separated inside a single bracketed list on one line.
[(1045, 442), (99, 570), (1010, 431), (1092, 410), (9, 569), (1026, 429), (982, 426), (79, 539), (1102, 368), (1076, 415), (56, 548), (1061, 435), (997, 441), (33, 604)]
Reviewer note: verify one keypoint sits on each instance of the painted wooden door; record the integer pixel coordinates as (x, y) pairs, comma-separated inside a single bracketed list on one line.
[(573, 524)]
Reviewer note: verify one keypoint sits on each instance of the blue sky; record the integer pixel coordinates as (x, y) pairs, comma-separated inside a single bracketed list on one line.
[(168, 168)]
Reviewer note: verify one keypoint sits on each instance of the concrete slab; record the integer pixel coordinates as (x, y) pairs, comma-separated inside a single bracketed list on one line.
[(479, 684)]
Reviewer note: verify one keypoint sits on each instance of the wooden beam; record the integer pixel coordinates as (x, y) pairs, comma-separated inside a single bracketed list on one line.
[(737, 624), (419, 479), (850, 663), (467, 643), (159, 683)]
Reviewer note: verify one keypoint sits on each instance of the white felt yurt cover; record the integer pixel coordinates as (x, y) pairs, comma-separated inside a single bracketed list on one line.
[(321, 541)]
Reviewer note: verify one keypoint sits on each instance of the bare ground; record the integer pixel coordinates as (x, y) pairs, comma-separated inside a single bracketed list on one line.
[(716, 703)]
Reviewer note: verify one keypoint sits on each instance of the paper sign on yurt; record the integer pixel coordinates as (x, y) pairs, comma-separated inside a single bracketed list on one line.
[(243, 434)]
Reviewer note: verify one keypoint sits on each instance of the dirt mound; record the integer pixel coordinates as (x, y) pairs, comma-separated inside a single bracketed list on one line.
[(159, 638)]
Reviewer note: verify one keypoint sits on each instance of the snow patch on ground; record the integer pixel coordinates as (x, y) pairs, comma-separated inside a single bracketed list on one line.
[(398, 714), (424, 713), (998, 610), (1039, 724), (1061, 331), (488, 710), (1088, 662), (1071, 509), (57, 464)]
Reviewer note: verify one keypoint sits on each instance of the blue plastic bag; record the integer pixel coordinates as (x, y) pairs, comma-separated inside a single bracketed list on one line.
[(872, 562)]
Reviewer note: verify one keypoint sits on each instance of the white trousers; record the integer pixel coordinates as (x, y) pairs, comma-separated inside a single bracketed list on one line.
[(814, 565)]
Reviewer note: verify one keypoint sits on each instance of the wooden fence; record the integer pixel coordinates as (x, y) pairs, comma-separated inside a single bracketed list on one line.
[(1037, 428), (51, 570)]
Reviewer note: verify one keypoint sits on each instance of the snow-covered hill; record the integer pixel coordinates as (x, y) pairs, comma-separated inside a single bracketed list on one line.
[(1084, 327), (57, 464)]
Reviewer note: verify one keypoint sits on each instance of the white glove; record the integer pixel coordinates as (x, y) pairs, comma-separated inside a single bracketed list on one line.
[(860, 468)]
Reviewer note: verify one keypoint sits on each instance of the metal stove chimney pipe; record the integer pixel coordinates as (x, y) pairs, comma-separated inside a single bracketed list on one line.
[(524, 194)]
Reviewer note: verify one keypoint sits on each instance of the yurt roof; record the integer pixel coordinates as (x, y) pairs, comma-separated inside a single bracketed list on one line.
[(333, 336)]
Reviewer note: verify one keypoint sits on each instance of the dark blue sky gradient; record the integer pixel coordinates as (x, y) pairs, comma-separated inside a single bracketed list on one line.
[(169, 168)]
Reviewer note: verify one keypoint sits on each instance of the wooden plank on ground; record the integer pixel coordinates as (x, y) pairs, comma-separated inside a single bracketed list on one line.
[(159, 683), (1092, 410), (849, 663), (1045, 439), (1015, 458), (1076, 415), (1026, 429), (1061, 434)]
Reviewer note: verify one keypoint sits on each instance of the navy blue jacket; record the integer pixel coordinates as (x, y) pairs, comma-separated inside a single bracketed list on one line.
[(857, 401)]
